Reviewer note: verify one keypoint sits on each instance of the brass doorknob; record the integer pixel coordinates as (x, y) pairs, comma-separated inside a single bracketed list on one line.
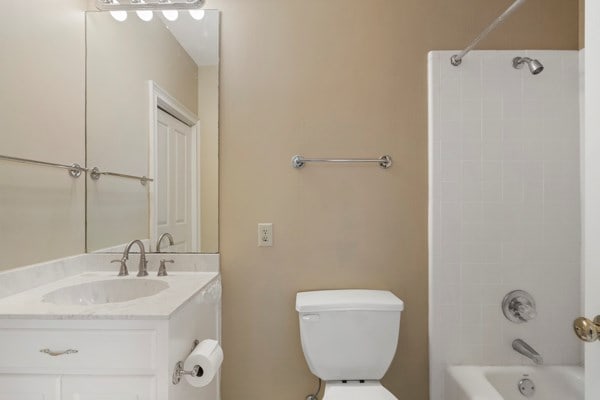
[(586, 330)]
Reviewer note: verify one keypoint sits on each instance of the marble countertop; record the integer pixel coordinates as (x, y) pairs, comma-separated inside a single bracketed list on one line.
[(183, 286)]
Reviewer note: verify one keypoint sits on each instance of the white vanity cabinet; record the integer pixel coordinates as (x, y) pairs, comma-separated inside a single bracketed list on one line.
[(101, 358), (73, 387), (29, 387), (107, 387), (78, 360)]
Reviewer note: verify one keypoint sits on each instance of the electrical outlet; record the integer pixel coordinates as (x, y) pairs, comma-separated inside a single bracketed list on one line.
[(265, 235)]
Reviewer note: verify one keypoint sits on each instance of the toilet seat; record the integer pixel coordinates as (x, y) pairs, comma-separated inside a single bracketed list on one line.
[(370, 390)]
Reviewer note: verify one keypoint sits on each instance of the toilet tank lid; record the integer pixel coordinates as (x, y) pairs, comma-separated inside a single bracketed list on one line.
[(348, 300)]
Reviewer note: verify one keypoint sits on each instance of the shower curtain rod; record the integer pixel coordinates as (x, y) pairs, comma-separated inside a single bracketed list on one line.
[(456, 59)]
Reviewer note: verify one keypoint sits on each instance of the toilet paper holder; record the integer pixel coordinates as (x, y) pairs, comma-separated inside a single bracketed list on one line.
[(180, 372)]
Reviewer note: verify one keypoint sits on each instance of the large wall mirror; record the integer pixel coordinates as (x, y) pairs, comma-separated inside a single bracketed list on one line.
[(133, 98), (152, 112)]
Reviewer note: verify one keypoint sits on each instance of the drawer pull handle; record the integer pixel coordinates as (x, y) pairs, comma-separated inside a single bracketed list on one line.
[(58, 353)]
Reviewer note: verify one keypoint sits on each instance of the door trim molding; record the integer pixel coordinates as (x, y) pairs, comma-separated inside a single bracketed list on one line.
[(160, 98)]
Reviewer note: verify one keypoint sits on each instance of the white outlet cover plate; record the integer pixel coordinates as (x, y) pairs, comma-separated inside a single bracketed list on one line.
[(265, 235)]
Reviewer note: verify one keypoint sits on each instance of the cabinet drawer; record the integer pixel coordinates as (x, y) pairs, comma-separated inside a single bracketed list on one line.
[(90, 350)]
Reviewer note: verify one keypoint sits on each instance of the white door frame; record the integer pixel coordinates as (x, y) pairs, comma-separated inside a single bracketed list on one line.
[(160, 98), (591, 191)]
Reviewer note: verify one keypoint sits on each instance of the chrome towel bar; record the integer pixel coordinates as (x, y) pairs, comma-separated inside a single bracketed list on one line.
[(95, 174), (384, 162), (73, 169)]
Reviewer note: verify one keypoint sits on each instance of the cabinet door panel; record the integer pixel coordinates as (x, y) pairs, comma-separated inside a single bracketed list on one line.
[(29, 387), (107, 388)]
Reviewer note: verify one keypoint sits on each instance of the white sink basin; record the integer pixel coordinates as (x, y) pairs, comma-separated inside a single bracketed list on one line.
[(106, 291)]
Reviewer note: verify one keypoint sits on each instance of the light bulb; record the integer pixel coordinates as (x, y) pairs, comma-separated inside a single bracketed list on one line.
[(119, 15), (145, 15), (171, 15), (197, 14)]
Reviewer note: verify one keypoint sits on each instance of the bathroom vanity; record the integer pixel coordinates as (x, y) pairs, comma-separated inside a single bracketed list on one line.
[(100, 174), (93, 335)]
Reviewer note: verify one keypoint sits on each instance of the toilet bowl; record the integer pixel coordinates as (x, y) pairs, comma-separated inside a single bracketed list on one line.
[(349, 338)]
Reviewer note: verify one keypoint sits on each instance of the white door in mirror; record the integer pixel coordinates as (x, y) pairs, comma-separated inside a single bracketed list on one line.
[(175, 160)]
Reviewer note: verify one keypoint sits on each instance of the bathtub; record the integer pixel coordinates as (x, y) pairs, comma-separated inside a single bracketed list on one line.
[(502, 383)]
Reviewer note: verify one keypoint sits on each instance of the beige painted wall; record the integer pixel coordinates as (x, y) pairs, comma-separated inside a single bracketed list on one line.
[(42, 214), (336, 78), (208, 113), (121, 58)]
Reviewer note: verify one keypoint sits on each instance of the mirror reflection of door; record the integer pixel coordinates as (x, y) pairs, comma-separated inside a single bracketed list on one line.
[(179, 61), (176, 171)]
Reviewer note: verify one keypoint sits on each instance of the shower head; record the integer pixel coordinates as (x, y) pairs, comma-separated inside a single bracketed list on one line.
[(535, 67)]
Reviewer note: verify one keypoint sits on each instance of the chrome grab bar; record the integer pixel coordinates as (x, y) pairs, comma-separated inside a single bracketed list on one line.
[(384, 162), (74, 169)]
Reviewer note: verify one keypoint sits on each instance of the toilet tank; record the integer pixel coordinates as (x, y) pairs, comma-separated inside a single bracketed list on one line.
[(349, 334)]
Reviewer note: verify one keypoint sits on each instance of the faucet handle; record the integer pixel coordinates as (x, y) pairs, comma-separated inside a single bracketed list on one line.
[(123, 268), (518, 306), (162, 270), (526, 312)]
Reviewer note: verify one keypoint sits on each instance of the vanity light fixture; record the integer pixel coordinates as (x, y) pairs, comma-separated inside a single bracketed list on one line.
[(145, 8), (151, 5)]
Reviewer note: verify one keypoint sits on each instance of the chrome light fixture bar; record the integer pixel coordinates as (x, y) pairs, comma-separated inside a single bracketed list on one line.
[(157, 5)]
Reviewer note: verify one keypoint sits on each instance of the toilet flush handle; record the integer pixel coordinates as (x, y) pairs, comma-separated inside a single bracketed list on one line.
[(311, 317)]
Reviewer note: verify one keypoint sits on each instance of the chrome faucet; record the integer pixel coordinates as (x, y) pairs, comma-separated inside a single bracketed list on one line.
[(160, 239), (143, 266), (523, 348)]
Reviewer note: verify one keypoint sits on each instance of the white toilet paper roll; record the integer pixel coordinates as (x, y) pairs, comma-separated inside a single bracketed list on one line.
[(208, 355)]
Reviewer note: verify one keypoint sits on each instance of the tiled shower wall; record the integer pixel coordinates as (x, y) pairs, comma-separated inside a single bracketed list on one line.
[(504, 207)]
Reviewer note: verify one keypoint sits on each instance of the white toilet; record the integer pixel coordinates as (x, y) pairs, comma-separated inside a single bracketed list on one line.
[(349, 339)]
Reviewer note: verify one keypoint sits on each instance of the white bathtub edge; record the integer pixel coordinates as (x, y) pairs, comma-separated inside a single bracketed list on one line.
[(469, 383)]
